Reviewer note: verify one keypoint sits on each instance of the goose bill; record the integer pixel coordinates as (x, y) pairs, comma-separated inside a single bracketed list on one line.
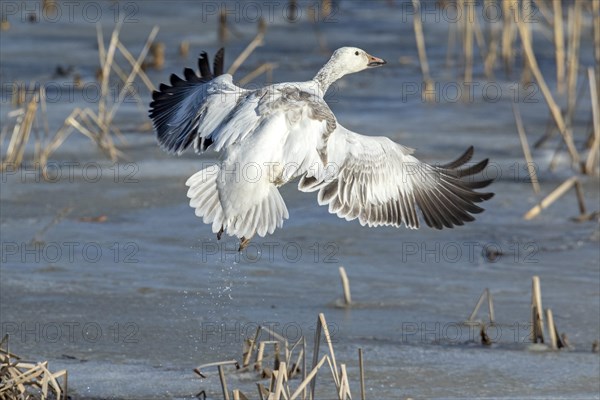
[(376, 62)]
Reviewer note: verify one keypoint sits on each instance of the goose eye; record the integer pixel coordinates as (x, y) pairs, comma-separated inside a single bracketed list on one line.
[(356, 53)]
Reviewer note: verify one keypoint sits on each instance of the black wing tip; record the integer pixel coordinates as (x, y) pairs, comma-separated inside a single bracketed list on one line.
[(470, 171), (204, 64), (175, 140), (461, 160), (219, 61), (189, 74), (462, 178)]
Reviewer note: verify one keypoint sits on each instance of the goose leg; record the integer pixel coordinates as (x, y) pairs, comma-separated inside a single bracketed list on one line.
[(244, 242), (220, 233)]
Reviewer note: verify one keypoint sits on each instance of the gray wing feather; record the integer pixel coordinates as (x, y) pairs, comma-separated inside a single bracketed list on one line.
[(381, 183)]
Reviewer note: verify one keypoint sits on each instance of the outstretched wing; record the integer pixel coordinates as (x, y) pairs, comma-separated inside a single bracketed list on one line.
[(191, 109), (379, 182)]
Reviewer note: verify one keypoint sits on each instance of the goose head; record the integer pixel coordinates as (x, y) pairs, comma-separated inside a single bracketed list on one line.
[(346, 60), (353, 59)]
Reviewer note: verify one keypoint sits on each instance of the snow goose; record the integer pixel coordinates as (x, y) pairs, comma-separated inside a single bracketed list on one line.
[(270, 136)]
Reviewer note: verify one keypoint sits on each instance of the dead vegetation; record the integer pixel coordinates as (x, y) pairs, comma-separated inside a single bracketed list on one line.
[(543, 328), (96, 124), (508, 45), (26, 380), (286, 367), (29, 121)]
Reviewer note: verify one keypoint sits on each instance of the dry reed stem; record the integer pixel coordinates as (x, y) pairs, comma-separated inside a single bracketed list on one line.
[(344, 391), (86, 121), (132, 61), (279, 376), (105, 64), (326, 8), (18, 133), (248, 348), (157, 51), (361, 370), (281, 379), (248, 355), (198, 369), (317, 344), (492, 53), (184, 48), (5, 127), (23, 380), (100, 41), (321, 39), (580, 198), (573, 59), (491, 307), (595, 146), (559, 45), (551, 331), (485, 339), (223, 382), (545, 11), (551, 198), (238, 395), (257, 41), (58, 139), (471, 318), (554, 108), (292, 10), (137, 67), (130, 91), (345, 286), (468, 40), (19, 94), (333, 371), (479, 37), (263, 393), (418, 27), (451, 43), (596, 24), (273, 334), (103, 139), (277, 360), (295, 366), (290, 352), (44, 109), (537, 313), (21, 133), (526, 72), (323, 328), (507, 35), (526, 150), (330, 346), (120, 73), (304, 366), (222, 28), (259, 356), (266, 68), (310, 378)]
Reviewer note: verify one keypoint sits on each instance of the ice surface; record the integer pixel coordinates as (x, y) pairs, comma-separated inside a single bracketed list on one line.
[(130, 306)]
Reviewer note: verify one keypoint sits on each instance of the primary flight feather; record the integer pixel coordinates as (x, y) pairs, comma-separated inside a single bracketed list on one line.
[(270, 136)]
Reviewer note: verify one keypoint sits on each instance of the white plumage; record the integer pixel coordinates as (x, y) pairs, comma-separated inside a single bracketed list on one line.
[(270, 136)]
